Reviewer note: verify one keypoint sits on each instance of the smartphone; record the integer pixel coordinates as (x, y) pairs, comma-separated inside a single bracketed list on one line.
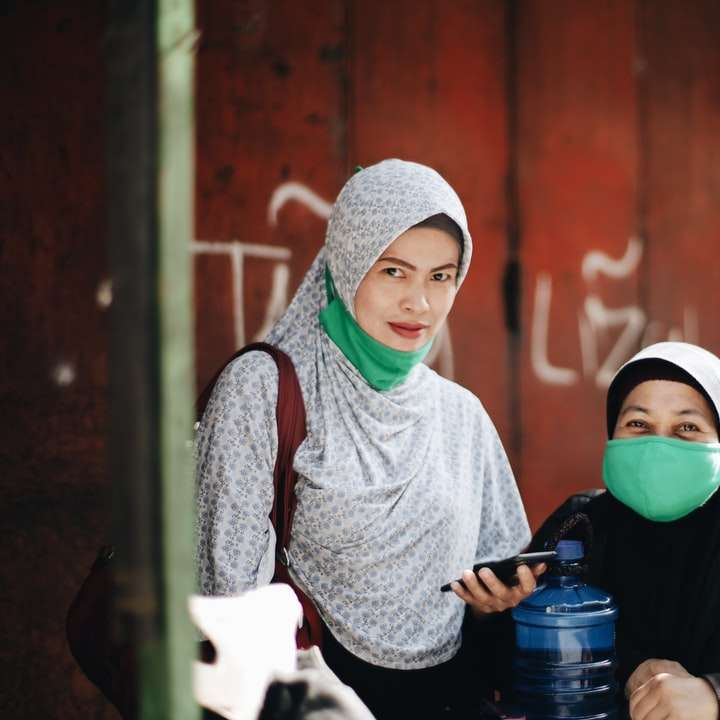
[(506, 570)]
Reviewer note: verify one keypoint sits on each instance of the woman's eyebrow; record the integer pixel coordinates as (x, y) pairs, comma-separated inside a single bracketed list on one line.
[(636, 408), (406, 264), (447, 266), (692, 411), (397, 261)]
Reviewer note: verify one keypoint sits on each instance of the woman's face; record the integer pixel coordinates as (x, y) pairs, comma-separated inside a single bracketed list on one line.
[(670, 409), (407, 294)]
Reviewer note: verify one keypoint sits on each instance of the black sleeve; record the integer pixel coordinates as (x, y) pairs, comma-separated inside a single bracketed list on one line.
[(547, 535)]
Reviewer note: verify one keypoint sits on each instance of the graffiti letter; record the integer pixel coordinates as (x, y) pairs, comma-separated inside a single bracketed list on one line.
[(278, 300), (540, 325), (598, 262), (601, 318), (237, 252), (296, 191)]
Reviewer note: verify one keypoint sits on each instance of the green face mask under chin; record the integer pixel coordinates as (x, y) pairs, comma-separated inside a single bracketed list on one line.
[(662, 479), (383, 367)]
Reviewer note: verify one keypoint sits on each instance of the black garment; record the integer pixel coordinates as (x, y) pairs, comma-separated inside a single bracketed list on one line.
[(665, 577), (455, 689)]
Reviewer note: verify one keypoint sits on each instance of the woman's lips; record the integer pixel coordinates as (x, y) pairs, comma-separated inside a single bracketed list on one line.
[(408, 330)]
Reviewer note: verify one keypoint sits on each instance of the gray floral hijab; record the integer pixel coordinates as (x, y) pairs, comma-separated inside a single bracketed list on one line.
[(399, 490), (374, 207)]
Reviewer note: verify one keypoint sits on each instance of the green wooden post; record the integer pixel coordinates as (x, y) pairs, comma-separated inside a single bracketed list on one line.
[(175, 192), (150, 193)]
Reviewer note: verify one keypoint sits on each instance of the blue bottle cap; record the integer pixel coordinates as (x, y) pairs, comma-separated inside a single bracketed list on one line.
[(570, 550)]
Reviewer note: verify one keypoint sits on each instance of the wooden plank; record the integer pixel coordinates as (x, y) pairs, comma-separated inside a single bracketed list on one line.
[(150, 55), (271, 129), (430, 86), (53, 363), (175, 181), (214, 326), (577, 167), (680, 87)]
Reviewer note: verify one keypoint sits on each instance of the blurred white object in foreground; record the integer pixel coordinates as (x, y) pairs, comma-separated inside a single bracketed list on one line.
[(254, 639)]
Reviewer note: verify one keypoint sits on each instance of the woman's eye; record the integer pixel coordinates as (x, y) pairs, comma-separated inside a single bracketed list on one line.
[(441, 276), (689, 427), (393, 271), (637, 424)]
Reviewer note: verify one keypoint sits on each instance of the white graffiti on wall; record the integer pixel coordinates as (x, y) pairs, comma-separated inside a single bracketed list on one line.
[(595, 320), (237, 252), (441, 353), (597, 262), (285, 192)]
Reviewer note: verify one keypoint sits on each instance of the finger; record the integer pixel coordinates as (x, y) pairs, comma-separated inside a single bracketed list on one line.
[(671, 667), (480, 597), (485, 606), (642, 673), (538, 570), (651, 667), (658, 711), (492, 592), (651, 708), (653, 700), (636, 695), (475, 587), (460, 591), (495, 586), (527, 579), (655, 666), (642, 702), (460, 587), (634, 681)]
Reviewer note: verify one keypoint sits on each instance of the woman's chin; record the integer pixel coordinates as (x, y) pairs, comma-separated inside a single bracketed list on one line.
[(395, 341), (403, 344)]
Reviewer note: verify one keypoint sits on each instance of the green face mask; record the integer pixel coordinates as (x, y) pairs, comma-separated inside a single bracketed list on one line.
[(662, 479), (382, 367)]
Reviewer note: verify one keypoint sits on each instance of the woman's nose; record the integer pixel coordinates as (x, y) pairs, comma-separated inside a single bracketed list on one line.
[(415, 300)]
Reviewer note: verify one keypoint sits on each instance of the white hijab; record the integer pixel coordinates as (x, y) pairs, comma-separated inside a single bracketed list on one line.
[(399, 491), (699, 363)]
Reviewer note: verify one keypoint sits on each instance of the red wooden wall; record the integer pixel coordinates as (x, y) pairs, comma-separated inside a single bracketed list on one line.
[(582, 137), (292, 102), (54, 507), (577, 98)]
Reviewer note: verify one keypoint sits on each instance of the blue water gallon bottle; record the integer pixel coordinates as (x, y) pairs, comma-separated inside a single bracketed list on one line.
[(565, 645)]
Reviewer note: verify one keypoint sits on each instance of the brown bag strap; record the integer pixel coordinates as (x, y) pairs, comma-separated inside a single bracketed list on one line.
[(290, 415)]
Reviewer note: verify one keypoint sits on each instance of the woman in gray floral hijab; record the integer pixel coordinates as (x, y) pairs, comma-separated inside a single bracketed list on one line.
[(403, 482)]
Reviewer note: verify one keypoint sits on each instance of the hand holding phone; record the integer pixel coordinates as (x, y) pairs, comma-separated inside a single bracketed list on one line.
[(506, 570)]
